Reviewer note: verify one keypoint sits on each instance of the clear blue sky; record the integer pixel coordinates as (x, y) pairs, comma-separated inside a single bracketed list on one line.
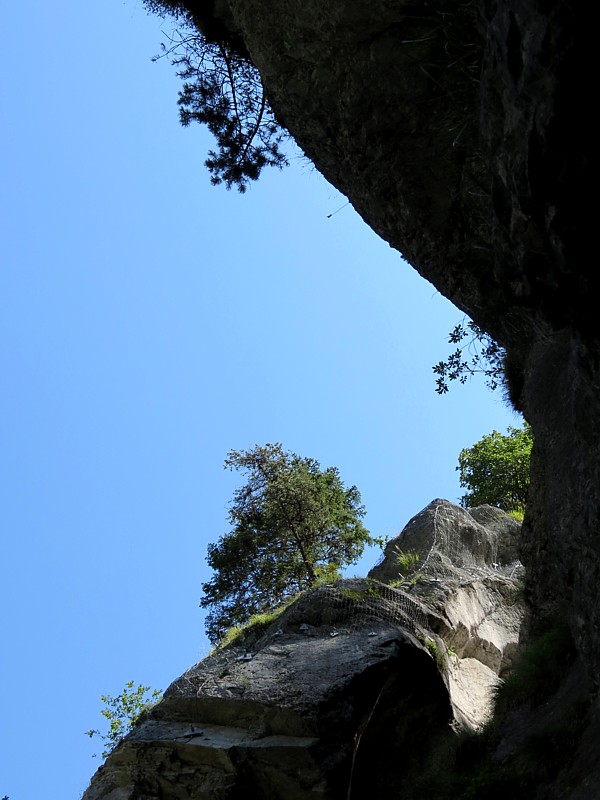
[(149, 323)]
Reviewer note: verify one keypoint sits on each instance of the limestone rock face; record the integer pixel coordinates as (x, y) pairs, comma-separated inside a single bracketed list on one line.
[(349, 679), (458, 133), (278, 718), (467, 571), (454, 543)]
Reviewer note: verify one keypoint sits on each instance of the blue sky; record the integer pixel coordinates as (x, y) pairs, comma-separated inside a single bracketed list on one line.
[(148, 324)]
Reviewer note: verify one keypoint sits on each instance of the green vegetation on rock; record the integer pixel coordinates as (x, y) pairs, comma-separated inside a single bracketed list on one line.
[(123, 712), (256, 625), (293, 524), (222, 89), (480, 355), (406, 560), (466, 766)]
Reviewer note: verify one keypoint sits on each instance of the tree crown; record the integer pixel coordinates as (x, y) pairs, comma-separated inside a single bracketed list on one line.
[(495, 470), (292, 523)]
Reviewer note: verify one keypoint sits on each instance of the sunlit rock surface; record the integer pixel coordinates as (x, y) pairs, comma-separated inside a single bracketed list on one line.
[(351, 678), (459, 133)]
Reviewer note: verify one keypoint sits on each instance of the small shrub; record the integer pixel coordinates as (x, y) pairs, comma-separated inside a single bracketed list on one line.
[(415, 578), (124, 712), (406, 560), (327, 574), (435, 650), (373, 589)]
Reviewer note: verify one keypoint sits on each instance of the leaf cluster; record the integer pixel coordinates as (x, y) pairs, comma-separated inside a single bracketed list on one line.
[(406, 560), (123, 712), (292, 524), (496, 470), (479, 354)]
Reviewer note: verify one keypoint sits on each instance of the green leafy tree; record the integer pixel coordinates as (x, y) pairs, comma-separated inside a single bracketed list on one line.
[(223, 90), (123, 712), (292, 523), (495, 470)]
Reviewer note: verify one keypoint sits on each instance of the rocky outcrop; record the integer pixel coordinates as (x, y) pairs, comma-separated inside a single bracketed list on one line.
[(458, 133), (469, 573), (455, 544), (350, 678), (461, 134)]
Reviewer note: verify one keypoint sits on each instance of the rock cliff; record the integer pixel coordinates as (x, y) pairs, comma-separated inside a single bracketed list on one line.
[(456, 131), (461, 134), (351, 678)]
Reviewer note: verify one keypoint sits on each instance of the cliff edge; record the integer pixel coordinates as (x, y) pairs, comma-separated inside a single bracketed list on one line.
[(351, 678)]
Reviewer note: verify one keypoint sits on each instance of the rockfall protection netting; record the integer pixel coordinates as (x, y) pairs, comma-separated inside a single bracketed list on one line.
[(463, 555), (355, 606), (460, 550), (368, 605), (456, 547)]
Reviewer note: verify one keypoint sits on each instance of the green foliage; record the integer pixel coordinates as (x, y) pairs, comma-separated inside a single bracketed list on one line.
[(368, 591), (353, 594), (223, 90), (539, 670), (256, 624), (292, 524), (396, 583), (495, 470), (435, 650), (479, 355), (123, 712), (464, 767), (406, 560), (414, 579)]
